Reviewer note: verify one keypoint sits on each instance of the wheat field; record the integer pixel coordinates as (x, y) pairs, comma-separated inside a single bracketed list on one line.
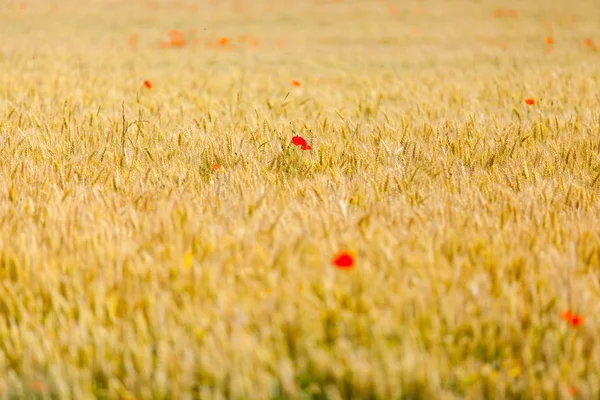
[(164, 235)]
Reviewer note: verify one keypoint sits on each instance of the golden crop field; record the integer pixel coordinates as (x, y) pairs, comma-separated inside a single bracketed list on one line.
[(317, 199)]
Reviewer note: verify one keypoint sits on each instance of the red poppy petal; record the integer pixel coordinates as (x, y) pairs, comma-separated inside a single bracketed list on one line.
[(298, 141), (576, 320), (344, 261), (566, 315)]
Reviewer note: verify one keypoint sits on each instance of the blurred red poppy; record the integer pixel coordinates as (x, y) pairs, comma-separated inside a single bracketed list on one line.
[(343, 260), (300, 142), (572, 318)]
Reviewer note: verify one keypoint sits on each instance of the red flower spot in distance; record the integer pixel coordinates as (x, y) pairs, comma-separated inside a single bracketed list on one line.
[(590, 43), (566, 315), (343, 260), (216, 167), (39, 386), (576, 320), (573, 319), (175, 34), (177, 42), (224, 41), (300, 142), (133, 39), (148, 84), (296, 83), (572, 390), (549, 40), (529, 101)]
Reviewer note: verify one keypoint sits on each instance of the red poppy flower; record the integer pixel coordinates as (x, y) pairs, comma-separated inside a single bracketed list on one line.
[(566, 315), (343, 260), (590, 43), (39, 386), (296, 83), (177, 42), (576, 320), (572, 318), (148, 84), (175, 34), (529, 101), (572, 390), (216, 167), (133, 39), (549, 40), (300, 142)]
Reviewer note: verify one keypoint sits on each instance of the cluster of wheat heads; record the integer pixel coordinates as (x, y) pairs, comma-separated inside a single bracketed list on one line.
[(316, 199)]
